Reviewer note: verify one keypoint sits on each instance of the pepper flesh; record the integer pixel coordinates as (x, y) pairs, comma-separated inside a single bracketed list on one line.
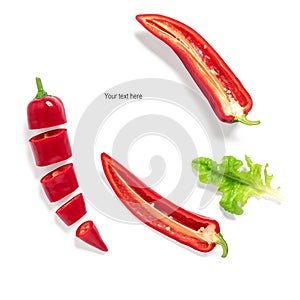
[(198, 232), (225, 93)]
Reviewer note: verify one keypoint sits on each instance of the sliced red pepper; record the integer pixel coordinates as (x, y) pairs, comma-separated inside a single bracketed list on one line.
[(45, 110), (89, 233), (225, 93), (60, 182), (73, 210), (51, 147), (198, 232)]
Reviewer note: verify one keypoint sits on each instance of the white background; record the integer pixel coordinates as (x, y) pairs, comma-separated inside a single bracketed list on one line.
[(82, 48)]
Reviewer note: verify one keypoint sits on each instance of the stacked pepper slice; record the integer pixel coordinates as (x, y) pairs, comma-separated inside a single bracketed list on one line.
[(53, 146)]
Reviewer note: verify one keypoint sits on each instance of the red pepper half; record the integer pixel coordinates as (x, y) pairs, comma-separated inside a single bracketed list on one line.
[(60, 182), (225, 93), (45, 111), (198, 232), (89, 233), (51, 147), (73, 210)]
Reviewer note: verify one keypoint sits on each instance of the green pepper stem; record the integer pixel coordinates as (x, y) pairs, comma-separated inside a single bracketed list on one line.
[(243, 119), (41, 92), (223, 244)]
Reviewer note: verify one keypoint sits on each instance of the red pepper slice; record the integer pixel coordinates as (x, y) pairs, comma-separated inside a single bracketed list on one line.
[(45, 111), (198, 232), (73, 210), (60, 182), (51, 147), (89, 233), (225, 93)]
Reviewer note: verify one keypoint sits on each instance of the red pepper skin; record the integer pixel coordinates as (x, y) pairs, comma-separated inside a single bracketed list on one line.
[(89, 234), (73, 210), (225, 93), (45, 110), (60, 182), (198, 232), (51, 147)]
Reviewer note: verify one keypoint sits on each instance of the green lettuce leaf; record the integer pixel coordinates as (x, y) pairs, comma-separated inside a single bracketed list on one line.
[(236, 183)]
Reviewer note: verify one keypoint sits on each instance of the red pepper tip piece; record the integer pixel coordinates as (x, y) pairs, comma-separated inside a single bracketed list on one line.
[(243, 119), (89, 233)]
